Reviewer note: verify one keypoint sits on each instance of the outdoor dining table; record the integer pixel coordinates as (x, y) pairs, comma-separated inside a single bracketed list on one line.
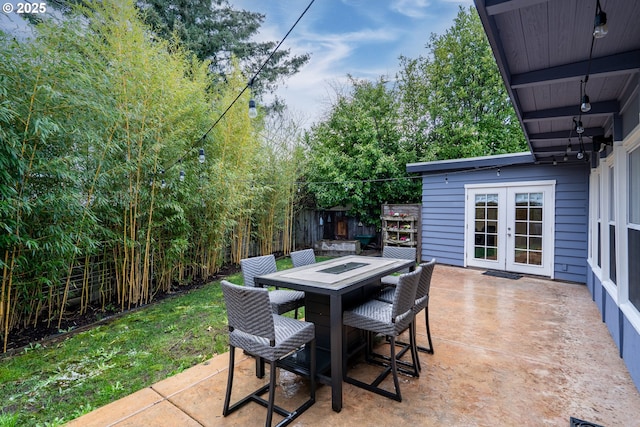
[(330, 287)]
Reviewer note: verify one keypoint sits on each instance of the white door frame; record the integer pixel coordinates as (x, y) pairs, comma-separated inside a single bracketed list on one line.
[(506, 219)]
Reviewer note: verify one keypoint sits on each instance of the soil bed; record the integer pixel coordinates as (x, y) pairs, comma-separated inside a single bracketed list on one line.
[(74, 322)]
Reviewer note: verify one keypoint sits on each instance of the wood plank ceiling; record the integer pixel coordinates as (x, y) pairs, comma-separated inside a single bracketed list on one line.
[(544, 52)]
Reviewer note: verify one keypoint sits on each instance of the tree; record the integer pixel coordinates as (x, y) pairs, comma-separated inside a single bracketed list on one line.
[(454, 104), (357, 158), (215, 31)]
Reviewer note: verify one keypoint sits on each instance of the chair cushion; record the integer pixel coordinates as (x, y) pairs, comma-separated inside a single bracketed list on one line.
[(290, 334), (375, 316), (390, 280), (387, 296), (284, 300)]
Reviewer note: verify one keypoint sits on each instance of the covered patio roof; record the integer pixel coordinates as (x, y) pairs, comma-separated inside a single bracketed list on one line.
[(549, 59)]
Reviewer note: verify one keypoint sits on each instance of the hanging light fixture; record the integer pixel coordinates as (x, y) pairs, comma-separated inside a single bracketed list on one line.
[(578, 126), (565, 158), (201, 156), (600, 28), (554, 161), (253, 112), (580, 154), (569, 147), (585, 106), (182, 175)]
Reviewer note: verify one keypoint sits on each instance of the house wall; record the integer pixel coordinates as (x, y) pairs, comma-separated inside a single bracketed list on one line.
[(612, 299), (443, 213)]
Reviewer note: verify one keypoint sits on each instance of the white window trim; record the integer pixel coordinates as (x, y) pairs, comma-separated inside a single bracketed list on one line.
[(605, 222), (631, 143)]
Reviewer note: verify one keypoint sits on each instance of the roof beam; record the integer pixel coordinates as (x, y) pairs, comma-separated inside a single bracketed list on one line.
[(597, 109), (620, 63), (495, 7), (564, 134), (556, 149)]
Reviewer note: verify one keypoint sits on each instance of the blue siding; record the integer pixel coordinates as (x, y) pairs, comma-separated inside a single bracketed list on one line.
[(622, 331), (631, 350), (612, 318), (443, 213)]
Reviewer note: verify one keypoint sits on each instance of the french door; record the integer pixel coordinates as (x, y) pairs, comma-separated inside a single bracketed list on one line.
[(511, 227)]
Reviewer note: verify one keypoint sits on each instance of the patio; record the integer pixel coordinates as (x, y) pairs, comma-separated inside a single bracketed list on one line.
[(507, 352)]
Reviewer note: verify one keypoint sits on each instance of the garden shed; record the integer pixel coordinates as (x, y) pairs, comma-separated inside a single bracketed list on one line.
[(507, 213)]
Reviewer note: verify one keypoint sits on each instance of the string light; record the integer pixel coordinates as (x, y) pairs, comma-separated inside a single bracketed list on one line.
[(600, 28), (201, 157), (253, 112)]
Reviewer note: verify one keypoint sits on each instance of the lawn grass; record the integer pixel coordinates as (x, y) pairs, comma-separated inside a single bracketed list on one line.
[(49, 385)]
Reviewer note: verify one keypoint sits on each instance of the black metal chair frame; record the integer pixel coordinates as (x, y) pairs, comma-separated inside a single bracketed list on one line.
[(249, 324), (422, 303), (378, 317)]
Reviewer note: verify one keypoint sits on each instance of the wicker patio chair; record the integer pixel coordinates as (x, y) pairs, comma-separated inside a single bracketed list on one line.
[(378, 317), (396, 252), (282, 300), (303, 257), (254, 328), (422, 300)]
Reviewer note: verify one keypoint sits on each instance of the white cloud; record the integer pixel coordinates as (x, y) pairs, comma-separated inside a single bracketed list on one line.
[(411, 8)]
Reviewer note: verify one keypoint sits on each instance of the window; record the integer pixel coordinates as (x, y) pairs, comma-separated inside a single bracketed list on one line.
[(633, 227), (598, 241), (612, 227)]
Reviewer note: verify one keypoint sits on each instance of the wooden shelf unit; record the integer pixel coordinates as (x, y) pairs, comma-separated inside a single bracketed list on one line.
[(400, 230)]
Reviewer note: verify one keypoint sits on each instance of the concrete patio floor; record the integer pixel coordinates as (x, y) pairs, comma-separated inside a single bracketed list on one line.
[(524, 352)]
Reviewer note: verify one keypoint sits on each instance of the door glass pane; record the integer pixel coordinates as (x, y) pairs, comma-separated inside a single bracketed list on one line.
[(486, 226), (535, 199), (528, 228), (535, 214), (521, 257), (535, 243), (535, 258), (535, 229)]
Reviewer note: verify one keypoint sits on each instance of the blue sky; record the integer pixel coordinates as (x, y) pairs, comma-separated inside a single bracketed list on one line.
[(363, 38)]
